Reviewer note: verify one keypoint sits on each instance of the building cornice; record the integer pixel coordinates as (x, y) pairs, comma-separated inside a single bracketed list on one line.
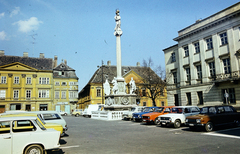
[(207, 26)]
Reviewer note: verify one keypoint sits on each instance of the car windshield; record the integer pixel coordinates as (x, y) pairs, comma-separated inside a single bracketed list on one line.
[(177, 110), (148, 109), (160, 109)]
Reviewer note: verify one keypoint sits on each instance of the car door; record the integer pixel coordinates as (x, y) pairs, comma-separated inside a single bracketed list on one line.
[(5, 137), (187, 112)]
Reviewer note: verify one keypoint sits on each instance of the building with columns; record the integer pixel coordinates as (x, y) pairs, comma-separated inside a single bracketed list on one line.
[(203, 67)]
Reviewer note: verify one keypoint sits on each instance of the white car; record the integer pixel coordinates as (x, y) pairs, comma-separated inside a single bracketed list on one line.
[(52, 117), (177, 116), (127, 115), (26, 135), (63, 113)]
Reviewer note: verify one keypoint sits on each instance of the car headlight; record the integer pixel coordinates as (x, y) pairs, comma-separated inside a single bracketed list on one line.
[(139, 116), (198, 120), (186, 120)]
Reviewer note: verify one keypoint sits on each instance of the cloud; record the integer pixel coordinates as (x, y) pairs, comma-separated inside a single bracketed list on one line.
[(2, 15), (3, 35), (28, 25), (15, 11)]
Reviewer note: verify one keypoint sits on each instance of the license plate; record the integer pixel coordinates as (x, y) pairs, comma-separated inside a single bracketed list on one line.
[(144, 120), (163, 123), (191, 124)]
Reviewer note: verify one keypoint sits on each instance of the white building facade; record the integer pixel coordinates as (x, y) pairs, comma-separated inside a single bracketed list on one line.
[(203, 68)]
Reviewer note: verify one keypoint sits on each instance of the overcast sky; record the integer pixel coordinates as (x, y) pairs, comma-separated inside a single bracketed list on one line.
[(81, 31)]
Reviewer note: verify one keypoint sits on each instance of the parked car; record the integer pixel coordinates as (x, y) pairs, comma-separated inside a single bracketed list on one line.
[(63, 113), (93, 107), (52, 117), (138, 116), (178, 116), (26, 135), (212, 116), (127, 115), (55, 126), (77, 112), (153, 116)]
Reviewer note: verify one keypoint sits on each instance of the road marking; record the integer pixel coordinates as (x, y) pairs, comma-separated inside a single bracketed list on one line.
[(217, 133), (175, 129), (222, 135), (67, 147)]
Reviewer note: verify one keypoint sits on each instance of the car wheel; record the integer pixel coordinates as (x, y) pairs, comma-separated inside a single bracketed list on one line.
[(209, 127), (177, 123), (37, 149), (156, 122), (65, 114), (77, 115)]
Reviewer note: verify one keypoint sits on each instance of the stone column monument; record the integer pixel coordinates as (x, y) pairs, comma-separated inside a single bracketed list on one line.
[(119, 100)]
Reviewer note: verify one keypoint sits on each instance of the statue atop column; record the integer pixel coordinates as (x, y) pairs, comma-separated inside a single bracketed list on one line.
[(118, 31)]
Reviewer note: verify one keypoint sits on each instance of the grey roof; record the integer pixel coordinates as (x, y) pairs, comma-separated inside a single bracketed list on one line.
[(68, 71), (109, 72), (37, 63)]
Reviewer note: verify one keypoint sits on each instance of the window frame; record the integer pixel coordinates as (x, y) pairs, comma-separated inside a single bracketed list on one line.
[(186, 51), (15, 94), (3, 79), (28, 80), (28, 94), (226, 65), (223, 38), (209, 43), (197, 47)]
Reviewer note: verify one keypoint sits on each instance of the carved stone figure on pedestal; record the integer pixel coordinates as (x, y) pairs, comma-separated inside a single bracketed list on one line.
[(117, 29), (132, 86), (106, 88), (115, 86)]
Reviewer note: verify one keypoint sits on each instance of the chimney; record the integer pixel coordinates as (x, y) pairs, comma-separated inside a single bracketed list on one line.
[(109, 63), (65, 61), (1, 52), (41, 55), (25, 54), (138, 64), (55, 61)]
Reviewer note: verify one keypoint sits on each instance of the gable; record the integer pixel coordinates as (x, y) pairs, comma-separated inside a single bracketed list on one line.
[(138, 79), (17, 66)]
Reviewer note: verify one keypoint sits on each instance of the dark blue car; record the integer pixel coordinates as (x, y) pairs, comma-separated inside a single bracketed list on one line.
[(138, 116)]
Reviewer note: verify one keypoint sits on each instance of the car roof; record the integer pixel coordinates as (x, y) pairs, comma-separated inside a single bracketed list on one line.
[(26, 114), (42, 112), (216, 106), (18, 118)]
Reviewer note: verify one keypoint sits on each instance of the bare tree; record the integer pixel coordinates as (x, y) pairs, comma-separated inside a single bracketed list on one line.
[(155, 82)]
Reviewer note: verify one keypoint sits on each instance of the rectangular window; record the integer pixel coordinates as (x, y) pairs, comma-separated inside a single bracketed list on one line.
[(3, 79), (197, 47), (43, 80), (200, 97), (144, 103), (173, 57), (188, 75), (64, 94), (186, 51), (199, 71), (189, 99), (143, 92), (209, 43), (43, 93), (64, 83), (223, 37), (16, 80), (57, 94), (57, 83), (98, 92), (2, 94), (28, 94), (29, 80), (227, 66), (174, 77), (71, 94), (212, 69), (15, 94)]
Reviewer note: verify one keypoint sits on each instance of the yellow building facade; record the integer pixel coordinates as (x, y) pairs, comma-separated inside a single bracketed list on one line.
[(28, 84)]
